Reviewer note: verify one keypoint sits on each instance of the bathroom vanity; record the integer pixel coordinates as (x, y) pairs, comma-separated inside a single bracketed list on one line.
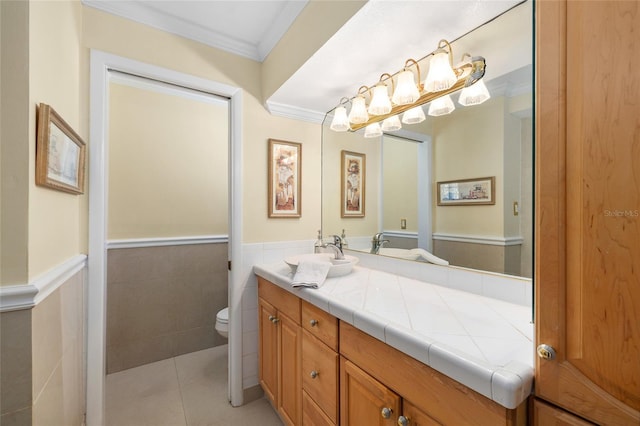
[(357, 351)]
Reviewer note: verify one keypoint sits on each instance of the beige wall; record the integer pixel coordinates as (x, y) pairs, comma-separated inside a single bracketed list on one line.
[(168, 163), (400, 184), (125, 38)]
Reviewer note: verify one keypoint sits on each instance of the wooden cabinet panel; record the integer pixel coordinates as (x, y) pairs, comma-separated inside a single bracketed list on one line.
[(548, 415), (588, 201), (289, 389), (417, 417), (321, 324), (320, 373), (312, 414), (362, 398), (268, 355), (284, 301)]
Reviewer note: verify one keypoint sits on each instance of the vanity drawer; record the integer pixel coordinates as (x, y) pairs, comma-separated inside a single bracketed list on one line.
[(282, 300), (320, 372), (321, 324), (312, 415)]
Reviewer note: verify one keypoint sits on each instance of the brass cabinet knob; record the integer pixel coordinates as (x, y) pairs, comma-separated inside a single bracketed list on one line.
[(313, 322), (273, 319), (386, 413), (403, 421), (314, 374), (546, 352)]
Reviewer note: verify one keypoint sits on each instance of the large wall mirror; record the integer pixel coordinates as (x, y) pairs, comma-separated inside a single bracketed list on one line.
[(403, 170)]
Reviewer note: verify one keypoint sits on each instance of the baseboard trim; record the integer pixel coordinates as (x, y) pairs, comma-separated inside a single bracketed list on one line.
[(26, 296), (252, 394)]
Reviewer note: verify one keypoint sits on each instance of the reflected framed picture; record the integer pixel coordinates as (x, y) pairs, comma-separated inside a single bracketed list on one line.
[(60, 153), (466, 192), (285, 171), (352, 184)]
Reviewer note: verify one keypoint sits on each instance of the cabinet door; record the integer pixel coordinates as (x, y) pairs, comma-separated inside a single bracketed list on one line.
[(587, 266), (416, 417), (364, 400), (268, 356), (548, 415), (290, 385)]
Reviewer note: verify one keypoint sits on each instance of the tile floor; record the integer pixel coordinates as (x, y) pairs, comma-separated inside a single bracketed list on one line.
[(188, 390)]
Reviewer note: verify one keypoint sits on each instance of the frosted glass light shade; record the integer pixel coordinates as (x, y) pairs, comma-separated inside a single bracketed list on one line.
[(475, 94), (340, 122), (358, 113), (391, 124), (413, 116), (441, 75), (441, 106), (380, 103), (372, 131), (406, 90)]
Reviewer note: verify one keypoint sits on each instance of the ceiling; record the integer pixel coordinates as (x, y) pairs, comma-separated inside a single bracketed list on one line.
[(377, 39)]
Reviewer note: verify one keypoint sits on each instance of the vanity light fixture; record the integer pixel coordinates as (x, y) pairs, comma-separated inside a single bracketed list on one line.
[(442, 80), (391, 124), (340, 122), (358, 113), (380, 102), (373, 130)]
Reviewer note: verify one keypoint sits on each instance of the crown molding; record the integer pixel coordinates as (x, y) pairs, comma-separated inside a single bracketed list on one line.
[(296, 113)]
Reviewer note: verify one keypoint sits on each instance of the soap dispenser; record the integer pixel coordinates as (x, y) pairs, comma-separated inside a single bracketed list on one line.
[(318, 246), (343, 237)]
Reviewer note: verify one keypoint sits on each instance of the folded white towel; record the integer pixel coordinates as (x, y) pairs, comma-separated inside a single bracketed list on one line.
[(310, 274), (429, 257)]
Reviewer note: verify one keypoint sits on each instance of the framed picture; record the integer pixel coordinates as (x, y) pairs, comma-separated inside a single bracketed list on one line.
[(285, 171), (465, 192), (60, 153), (352, 184)]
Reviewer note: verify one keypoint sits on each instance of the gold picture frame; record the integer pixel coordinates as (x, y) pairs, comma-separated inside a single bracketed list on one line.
[(467, 192), (352, 184), (60, 153), (285, 172)]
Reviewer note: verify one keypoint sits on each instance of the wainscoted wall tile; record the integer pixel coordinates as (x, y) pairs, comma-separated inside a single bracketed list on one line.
[(46, 320), (250, 370), (15, 364), (48, 407), (163, 303)]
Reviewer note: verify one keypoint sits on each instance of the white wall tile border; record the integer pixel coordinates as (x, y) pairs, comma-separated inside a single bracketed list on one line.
[(25, 296), (479, 239), (167, 241)]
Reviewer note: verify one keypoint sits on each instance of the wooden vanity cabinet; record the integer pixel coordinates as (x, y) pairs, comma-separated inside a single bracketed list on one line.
[(320, 368), (280, 350)]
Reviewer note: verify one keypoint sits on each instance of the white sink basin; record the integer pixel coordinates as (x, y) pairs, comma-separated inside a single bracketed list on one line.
[(339, 267)]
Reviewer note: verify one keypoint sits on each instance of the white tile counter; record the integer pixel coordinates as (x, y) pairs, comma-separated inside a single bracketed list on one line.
[(484, 343)]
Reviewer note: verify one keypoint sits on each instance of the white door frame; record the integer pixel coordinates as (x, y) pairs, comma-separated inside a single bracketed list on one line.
[(101, 64)]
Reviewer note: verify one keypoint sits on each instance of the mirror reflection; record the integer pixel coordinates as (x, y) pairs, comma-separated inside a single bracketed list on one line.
[(400, 214)]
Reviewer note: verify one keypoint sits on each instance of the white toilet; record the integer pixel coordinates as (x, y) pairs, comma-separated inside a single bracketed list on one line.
[(222, 322)]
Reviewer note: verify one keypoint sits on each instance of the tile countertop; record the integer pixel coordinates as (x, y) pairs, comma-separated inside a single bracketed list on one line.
[(484, 343)]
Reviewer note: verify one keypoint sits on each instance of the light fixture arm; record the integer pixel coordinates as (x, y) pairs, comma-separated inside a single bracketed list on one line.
[(408, 64), (444, 43)]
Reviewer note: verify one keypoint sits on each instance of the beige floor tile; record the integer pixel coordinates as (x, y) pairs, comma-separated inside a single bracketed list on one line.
[(147, 395)]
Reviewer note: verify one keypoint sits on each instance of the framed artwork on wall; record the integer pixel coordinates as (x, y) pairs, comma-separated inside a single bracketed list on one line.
[(60, 153), (285, 171), (466, 192), (352, 184)]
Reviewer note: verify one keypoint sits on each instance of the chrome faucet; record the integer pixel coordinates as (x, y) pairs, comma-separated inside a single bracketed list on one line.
[(377, 242), (336, 246)]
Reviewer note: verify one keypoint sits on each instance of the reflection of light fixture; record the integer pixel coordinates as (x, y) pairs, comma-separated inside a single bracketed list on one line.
[(372, 131), (406, 90), (441, 106), (475, 92), (391, 124), (340, 122), (438, 84), (413, 116), (440, 76), (358, 113), (380, 103)]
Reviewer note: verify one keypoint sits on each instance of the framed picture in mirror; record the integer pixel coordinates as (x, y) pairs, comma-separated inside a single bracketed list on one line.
[(285, 171), (60, 153), (464, 192), (352, 184)]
